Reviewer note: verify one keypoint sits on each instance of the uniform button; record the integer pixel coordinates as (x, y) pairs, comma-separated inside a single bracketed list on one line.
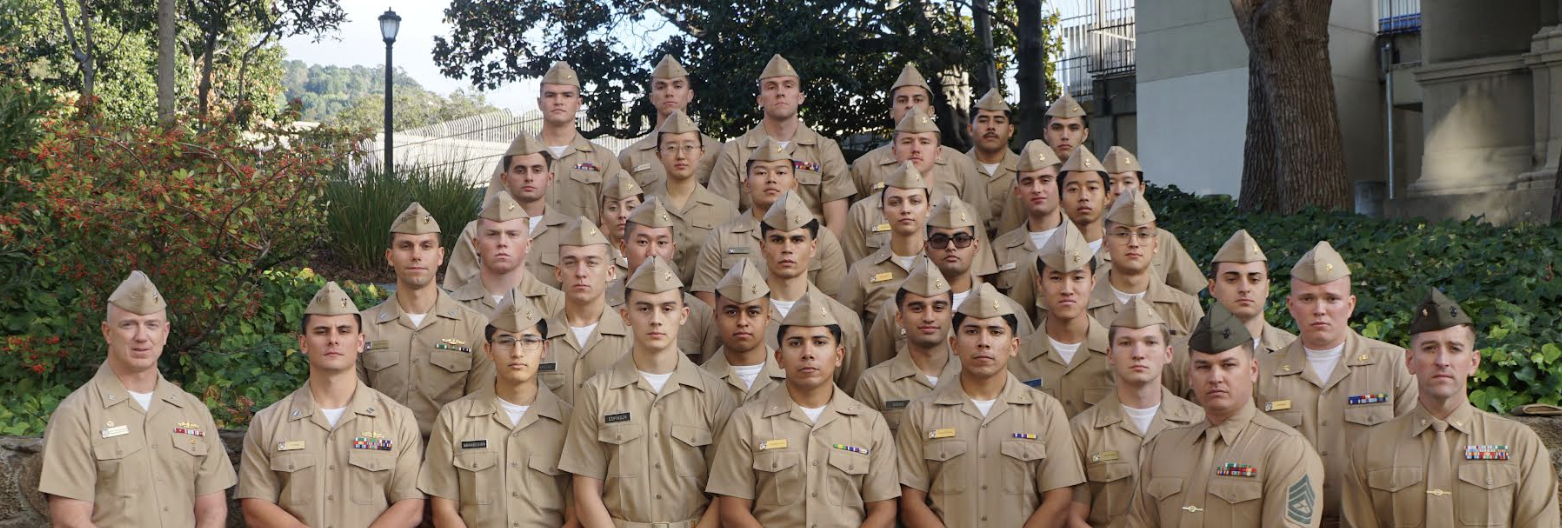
[(984, 488), (330, 497), (512, 464), (984, 518), (656, 435), (658, 496), (1323, 453), (816, 494), (816, 463), (984, 426), (1323, 423), (331, 467), (657, 465), (515, 494)]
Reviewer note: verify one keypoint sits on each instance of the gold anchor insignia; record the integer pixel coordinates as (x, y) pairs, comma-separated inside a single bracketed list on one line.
[(591, 231), (156, 298), (1285, 368), (1328, 267), (526, 314), (510, 206), (778, 148), (938, 283), (1086, 163), (1255, 248), (753, 288), (962, 216), (344, 303), (1076, 255), (995, 305), (667, 276), (664, 217), (428, 219), (1425, 312), (1362, 357)]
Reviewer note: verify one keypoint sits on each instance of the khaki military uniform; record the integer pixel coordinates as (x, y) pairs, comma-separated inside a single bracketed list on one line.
[(1009, 213), (1078, 384), (692, 226), (652, 451), (1500, 474), (428, 366), (1108, 442), (770, 378), (475, 296), (344, 476), (102, 447), (820, 168), (1180, 310), (699, 338), (500, 474), (1176, 268), (803, 473), (986, 470), (640, 159), (851, 339), (871, 281), (540, 261), (620, 262), (886, 338), (867, 231), (739, 238), (577, 178), (871, 170), (1370, 385), (569, 364), (1176, 375), (889, 387), (1249, 471)]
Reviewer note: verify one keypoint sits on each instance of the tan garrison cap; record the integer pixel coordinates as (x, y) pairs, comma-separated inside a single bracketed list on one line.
[(668, 68), (331, 300), (1138, 313), (768, 150), (677, 123), (524, 144), (1119, 159), (138, 295), (1067, 250), (925, 279), (501, 207), (415, 221), (1082, 160), (1321, 265), (985, 303), (620, 186), (992, 102), (743, 283), (811, 310), (1240, 248), (561, 73), (909, 76), (951, 213), (651, 214), (906, 176), (1036, 156), (788, 213), (582, 233), (1437, 312), (515, 313), (1218, 332), (1130, 209), (1066, 107), (778, 67), (915, 122), (654, 276)]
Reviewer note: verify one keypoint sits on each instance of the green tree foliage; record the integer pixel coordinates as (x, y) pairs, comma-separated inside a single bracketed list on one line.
[(354, 97)]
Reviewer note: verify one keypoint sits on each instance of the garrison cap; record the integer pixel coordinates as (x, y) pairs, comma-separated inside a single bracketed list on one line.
[(925, 279), (768, 150), (743, 283), (1218, 332), (985, 303), (1066, 107), (1119, 159), (620, 186), (583, 233), (1240, 248), (137, 295), (952, 213), (1130, 209), (906, 176), (1082, 160), (1036, 156), (654, 276), (524, 144), (778, 67), (668, 68), (1437, 312), (909, 76), (561, 73), (514, 314), (992, 101), (415, 221), (677, 123), (331, 300), (812, 309), (788, 213), (651, 214), (1138, 313), (916, 122), (1066, 251), (501, 207), (1321, 265)]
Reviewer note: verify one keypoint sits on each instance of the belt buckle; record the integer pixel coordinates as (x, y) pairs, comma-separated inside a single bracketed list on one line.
[(661, 525)]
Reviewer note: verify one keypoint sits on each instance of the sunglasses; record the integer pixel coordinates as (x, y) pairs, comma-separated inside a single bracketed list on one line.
[(941, 241)]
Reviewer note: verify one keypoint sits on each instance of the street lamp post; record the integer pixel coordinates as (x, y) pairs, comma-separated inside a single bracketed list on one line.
[(390, 23)]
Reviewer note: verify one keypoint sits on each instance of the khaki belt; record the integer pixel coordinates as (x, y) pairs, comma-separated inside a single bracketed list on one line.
[(620, 523)]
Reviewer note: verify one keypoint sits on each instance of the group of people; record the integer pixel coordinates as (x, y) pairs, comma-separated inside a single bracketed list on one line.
[(694, 334)]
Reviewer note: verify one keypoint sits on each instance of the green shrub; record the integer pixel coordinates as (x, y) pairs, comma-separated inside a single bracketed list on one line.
[(361, 208)]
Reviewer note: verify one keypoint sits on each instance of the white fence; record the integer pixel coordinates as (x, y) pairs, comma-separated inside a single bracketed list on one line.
[(470, 145)]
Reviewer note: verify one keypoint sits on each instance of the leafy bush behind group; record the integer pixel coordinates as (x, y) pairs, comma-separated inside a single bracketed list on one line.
[(361, 207)]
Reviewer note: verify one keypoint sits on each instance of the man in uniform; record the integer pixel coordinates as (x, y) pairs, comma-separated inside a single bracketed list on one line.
[(639, 443), (420, 340), (984, 432), (1068, 126), (525, 172), (1083, 189), (1132, 245), (807, 454), (1446, 463), (502, 443), (789, 240), (650, 232), (101, 465), (911, 92), (1251, 470), (991, 128), (904, 205), (620, 196), (1172, 261), (335, 452), (742, 312), (769, 173), (586, 336), (1108, 437), (671, 91), (1239, 281), (924, 358), (503, 241), (1331, 383), (823, 181), (1068, 359), (1036, 189), (580, 165), (695, 210)]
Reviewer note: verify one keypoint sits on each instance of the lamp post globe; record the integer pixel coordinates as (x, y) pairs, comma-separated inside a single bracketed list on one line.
[(390, 24)]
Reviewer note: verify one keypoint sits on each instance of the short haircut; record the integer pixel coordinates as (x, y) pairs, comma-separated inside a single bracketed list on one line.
[(927, 194), (1041, 267), (628, 291), (1111, 334), (630, 225), (835, 332), (541, 326), (1106, 182), (1007, 114), (812, 225), (1084, 123), (1009, 319), (929, 229), (504, 163), (900, 296), (1246, 345), (303, 326), (1214, 269)]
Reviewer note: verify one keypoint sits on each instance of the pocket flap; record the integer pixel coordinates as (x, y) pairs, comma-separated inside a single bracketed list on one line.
[(1393, 479), (1289, 418), (943, 450), (1369, 415), (1163, 487), (451, 360), (549, 258), (776, 461), (545, 465), (381, 359), (808, 177), (619, 434), (1488, 475), (477, 461), (1108, 471), (1026, 450), (190, 444), (292, 462), (371, 460), (585, 175), (693, 435), (1234, 491), (115, 449), (849, 462)]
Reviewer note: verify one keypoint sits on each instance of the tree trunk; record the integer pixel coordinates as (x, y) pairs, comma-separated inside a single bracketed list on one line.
[(166, 23), (1556, 196), (1288, 41), (1031, 77), (80, 50), (1259, 186), (204, 89), (987, 75)]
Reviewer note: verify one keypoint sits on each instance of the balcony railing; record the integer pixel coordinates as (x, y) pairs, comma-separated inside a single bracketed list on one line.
[(1399, 16), (1098, 40)]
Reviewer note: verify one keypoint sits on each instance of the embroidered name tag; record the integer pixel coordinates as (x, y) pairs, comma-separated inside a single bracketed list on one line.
[(550, 366), (1009, 266), (615, 418), (947, 432), (1233, 469), (773, 444), (881, 228), (896, 404), (292, 445), (587, 166), (116, 431), (854, 449), (1280, 405), (1367, 398), (474, 444), (1104, 456), (1486, 452), (881, 277), (642, 166), (737, 250)]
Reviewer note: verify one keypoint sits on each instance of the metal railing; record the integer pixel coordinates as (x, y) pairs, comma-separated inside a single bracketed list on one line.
[(1399, 16), (1098, 41)]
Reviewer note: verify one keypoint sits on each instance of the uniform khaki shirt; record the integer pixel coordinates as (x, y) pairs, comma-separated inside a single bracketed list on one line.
[(540, 261), (344, 476), (693, 224), (578, 174), (642, 162), (770, 378), (1180, 310), (986, 470), (890, 387), (867, 231), (475, 296), (652, 451), (428, 366), (856, 360), (1177, 269), (1260, 473), (870, 171), (1009, 212), (137, 467), (699, 337), (1015, 256), (1108, 444), (739, 238), (1017, 268), (1077, 384), (886, 338), (1370, 385), (871, 281), (803, 473), (1271, 340), (1387, 479), (820, 168), (500, 474), (570, 363)]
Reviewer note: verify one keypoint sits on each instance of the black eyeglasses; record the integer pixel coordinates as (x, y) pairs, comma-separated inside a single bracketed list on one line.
[(941, 241)]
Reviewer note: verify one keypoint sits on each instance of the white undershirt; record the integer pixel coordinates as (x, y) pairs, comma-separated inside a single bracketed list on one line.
[(557, 151), (657, 381), (515, 411), (1123, 298), (1324, 361), (1095, 247), (813, 413), (931, 379), (417, 319), (905, 262), (985, 406), (960, 299), (1067, 350), (497, 298), (332, 415), (747, 373), (784, 307), (582, 333), (1141, 417), (1040, 238), (143, 398), (532, 223), (783, 145), (991, 168)]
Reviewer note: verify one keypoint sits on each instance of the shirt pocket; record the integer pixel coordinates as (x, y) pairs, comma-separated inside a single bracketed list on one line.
[(1112, 487), (1485, 494), (846, 477), (447, 380), (693, 440), (545, 485), (1021, 459), (1293, 419), (369, 473), (947, 478), (778, 478), (1166, 491), (1239, 497), (111, 455), (1397, 487), (617, 438), (1370, 414), (296, 475), (806, 176), (478, 477), (191, 455), (379, 356)]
